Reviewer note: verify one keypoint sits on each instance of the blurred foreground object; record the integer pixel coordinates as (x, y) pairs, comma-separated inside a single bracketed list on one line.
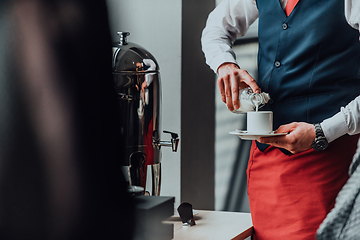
[(60, 176)]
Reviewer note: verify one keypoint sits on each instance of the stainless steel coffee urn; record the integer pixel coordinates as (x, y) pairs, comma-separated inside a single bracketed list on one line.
[(137, 82)]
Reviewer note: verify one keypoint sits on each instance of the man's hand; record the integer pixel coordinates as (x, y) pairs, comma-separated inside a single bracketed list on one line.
[(230, 80), (299, 138)]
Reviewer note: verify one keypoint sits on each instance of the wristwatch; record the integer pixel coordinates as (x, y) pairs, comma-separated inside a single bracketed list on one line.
[(320, 143)]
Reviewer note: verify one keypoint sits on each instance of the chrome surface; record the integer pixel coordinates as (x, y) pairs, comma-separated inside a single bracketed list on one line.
[(138, 85), (123, 37), (173, 143), (156, 179)]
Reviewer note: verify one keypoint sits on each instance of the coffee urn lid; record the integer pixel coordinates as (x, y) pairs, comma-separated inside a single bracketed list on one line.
[(131, 58)]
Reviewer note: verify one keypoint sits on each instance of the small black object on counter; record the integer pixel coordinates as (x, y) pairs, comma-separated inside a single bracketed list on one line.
[(186, 214)]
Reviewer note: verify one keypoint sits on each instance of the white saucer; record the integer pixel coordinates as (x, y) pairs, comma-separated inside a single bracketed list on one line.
[(254, 136)]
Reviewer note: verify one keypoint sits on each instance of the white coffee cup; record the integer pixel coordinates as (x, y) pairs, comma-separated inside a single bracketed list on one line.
[(260, 122)]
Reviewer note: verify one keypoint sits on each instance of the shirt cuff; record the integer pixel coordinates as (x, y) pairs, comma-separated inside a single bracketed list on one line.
[(334, 127), (220, 59)]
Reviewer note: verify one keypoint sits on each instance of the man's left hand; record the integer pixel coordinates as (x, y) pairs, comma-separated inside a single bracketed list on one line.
[(299, 138)]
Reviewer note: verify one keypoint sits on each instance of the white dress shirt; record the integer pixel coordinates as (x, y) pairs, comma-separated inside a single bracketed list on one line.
[(232, 18)]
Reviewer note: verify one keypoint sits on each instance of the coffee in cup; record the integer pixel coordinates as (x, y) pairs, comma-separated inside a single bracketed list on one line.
[(260, 122)]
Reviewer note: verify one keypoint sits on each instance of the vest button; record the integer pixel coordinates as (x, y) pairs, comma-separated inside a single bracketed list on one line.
[(284, 26), (277, 64)]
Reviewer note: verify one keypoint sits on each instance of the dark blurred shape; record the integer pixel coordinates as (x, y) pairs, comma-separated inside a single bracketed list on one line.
[(60, 177), (151, 211), (185, 211)]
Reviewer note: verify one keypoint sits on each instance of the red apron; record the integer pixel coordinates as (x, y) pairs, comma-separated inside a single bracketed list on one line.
[(291, 195)]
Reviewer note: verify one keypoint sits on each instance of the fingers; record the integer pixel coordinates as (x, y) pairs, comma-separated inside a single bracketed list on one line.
[(299, 138), (279, 141), (228, 91), (221, 86), (228, 84), (230, 80), (286, 128), (235, 90), (247, 80), (286, 142)]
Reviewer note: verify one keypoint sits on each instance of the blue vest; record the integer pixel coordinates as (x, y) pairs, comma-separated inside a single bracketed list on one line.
[(308, 62)]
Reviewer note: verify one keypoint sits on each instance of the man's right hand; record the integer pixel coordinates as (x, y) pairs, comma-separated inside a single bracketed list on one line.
[(230, 79)]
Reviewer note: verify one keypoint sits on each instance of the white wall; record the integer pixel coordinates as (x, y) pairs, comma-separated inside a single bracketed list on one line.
[(156, 26)]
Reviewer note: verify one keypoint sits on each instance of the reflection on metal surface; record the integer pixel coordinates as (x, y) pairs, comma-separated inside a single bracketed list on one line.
[(137, 83), (156, 179), (125, 96)]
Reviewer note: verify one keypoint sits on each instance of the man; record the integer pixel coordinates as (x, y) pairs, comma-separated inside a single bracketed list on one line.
[(347, 121), (309, 64)]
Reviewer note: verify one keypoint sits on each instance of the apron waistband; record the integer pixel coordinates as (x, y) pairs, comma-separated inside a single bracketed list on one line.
[(263, 146)]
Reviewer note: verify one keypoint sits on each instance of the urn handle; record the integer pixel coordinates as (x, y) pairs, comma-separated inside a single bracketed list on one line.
[(123, 38)]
